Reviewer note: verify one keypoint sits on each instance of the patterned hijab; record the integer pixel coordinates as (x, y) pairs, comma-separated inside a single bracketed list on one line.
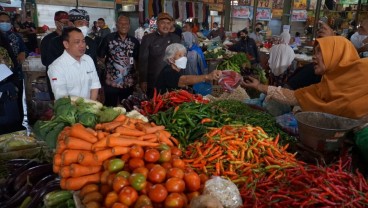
[(343, 90)]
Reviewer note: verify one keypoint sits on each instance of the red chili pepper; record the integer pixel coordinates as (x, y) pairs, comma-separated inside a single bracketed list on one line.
[(185, 94), (206, 120), (158, 106)]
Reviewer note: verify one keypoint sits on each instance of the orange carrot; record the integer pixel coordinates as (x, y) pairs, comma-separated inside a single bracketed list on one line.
[(120, 118), (63, 183), (92, 131), (147, 137), (103, 155), (98, 126), (100, 135), (57, 159), (100, 144), (77, 170), (111, 125), (123, 142), (60, 146), (80, 132), (78, 182), (87, 158), (162, 137), (129, 132), (55, 168), (151, 130), (78, 144), (120, 150), (64, 171), (70, 156), (174, 140)]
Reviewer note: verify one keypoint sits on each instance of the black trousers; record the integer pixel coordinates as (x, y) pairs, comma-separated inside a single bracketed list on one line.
[(113, 95)]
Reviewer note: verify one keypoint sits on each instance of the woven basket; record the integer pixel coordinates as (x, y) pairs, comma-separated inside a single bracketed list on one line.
[(217, 90)]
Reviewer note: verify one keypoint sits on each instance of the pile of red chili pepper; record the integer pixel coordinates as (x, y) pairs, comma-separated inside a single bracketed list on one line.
[(309, 186), (174, 98), (242, 153)]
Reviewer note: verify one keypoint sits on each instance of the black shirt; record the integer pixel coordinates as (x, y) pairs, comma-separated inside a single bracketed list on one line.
[(167, 80), (44, 47), (303, 77), (247, 46), (56, 48)]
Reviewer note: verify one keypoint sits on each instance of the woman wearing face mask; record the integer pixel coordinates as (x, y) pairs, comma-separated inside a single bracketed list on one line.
[(170, 77), (196, 61)]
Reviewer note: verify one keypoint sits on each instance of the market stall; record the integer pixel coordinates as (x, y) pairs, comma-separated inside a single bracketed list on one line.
[(109, 157)]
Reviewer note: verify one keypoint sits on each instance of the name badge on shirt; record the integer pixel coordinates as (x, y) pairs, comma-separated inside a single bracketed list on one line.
[(131, 60)]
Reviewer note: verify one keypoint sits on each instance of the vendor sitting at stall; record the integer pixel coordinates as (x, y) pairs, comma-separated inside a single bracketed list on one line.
[(246, 45), (196, 61), (343, 88), (170, 78), (280, 61)]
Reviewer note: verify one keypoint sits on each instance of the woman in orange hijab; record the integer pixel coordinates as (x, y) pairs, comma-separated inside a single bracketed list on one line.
[(343, 90)]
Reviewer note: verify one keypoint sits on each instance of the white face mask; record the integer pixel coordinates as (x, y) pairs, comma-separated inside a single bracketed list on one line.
[(84, 30), (181, 62)]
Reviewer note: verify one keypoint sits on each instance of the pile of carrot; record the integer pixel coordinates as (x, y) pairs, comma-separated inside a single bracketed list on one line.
[(310, 186), (243, 154), (80, 151)]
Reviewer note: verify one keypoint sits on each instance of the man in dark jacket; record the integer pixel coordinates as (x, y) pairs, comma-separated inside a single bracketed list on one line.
[(79, 18), (152, 51), (246, 45)]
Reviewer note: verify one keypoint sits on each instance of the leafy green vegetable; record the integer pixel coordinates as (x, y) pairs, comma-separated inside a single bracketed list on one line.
[(107, 114), (52, 135), (87, 119)]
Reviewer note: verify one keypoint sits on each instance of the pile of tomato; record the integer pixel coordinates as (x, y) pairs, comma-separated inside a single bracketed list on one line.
[(149, 177)]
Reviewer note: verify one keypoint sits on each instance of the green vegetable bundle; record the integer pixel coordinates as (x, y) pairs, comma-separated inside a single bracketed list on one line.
[(235, 63)]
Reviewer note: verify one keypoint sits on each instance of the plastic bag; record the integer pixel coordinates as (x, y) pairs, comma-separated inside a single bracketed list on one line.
[(225, 191), (230, 80)]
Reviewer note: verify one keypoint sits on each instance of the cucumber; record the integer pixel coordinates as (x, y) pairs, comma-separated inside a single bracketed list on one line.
[(56, 197)]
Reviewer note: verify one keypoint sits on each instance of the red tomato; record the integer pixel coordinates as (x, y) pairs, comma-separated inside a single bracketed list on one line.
[(143, 200), (128, 196), (203, 178), (152, 155), (166, 165), (165, 156), (176, 151), (174, 200), (157, 174), (136, 151), (157, 193), (110, 179), (111, 198), (149, 166), (192, 181), (142, 170), (125, 157), (175, 185), (105, 189), (185, 199), (175, 172), (147, 188), (119, 183), (178, 163), (119, 205), (136, 163)]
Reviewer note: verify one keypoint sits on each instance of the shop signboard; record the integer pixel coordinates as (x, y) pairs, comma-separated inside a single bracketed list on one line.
[(299, 16), (264, 14), (277, 4), (128, 2), (83, 3), (217, 7), (244, 2), (243, 12), (348, 1), (300, 4), (276, 13), (265, 3)]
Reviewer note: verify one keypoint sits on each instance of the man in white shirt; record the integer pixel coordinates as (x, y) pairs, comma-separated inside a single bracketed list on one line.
[(360, 39), (74, 73)]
